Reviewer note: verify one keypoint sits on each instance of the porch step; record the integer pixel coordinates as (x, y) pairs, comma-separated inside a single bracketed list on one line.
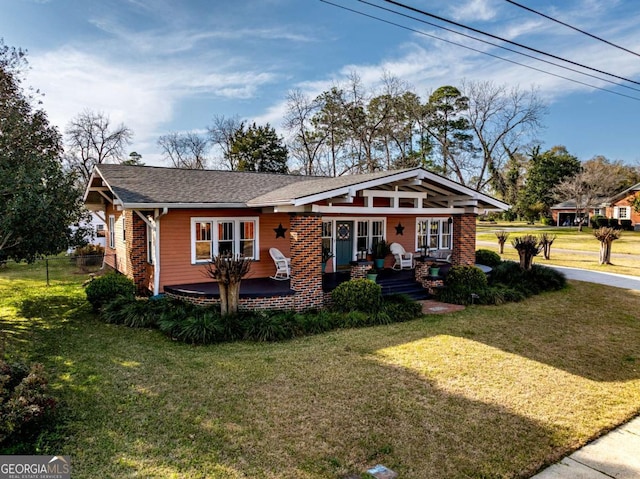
[(401, 282)]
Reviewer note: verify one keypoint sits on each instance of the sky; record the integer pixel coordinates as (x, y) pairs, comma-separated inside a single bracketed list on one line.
[(160, 66)]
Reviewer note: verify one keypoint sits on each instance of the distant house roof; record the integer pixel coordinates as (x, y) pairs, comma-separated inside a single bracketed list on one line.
[(625, 193), (141, 187)]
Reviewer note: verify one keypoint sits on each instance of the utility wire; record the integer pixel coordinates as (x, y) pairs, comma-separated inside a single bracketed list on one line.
[(572, 27), (497, 45), (442, 19), (477, 50)]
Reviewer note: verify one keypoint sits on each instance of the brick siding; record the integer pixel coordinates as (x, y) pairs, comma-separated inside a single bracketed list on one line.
[(136, 239), (306, 261), (464, 241)]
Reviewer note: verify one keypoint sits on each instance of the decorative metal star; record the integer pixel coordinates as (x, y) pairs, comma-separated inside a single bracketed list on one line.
[(399, 230), (280, 231)]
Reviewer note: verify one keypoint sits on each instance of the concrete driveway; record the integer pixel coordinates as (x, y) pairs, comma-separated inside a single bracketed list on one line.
[(609, 279)]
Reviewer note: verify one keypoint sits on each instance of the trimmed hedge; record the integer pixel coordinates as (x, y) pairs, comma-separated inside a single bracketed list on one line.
[(193, 324), (357, 295), (488, 258), (104, 289)]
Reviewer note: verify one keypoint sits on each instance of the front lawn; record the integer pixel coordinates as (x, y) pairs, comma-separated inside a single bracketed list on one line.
[(486, 392)]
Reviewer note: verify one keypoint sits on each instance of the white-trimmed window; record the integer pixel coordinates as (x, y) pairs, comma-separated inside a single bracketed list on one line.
[(433, 233), (112, 231), (624, 212), (327, 236), (217, 236), (369, 233), (149, 244), (598, 211)]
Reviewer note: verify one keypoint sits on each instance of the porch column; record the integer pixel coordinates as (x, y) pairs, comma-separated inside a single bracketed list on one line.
[(464, 239), (136, 254), (306, 261)]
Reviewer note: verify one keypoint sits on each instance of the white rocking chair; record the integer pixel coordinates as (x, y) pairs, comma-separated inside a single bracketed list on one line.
[(403, 259), (283, 264)]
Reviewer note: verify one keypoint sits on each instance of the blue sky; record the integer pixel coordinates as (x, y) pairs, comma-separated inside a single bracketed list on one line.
[(161, 65)]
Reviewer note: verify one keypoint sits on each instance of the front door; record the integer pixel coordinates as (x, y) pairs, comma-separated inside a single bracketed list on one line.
[(344, 243)]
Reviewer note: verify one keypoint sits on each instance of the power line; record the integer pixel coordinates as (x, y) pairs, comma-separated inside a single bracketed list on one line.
[(497, 45), (572, 27), (477, 50), (442, 19)]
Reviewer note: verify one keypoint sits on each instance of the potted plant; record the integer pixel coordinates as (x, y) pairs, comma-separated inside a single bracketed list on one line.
[(372, 274), (380, 251), (326, 256)]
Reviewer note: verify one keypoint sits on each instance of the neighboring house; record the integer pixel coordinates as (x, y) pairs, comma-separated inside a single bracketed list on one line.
[(618, 207), (164, 225), (97, 226)]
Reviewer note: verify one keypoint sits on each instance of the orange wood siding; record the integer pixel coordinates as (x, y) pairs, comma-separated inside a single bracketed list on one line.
[(175, 244)]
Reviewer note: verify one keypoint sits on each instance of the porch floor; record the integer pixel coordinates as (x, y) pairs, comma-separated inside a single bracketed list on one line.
[(249, 288)]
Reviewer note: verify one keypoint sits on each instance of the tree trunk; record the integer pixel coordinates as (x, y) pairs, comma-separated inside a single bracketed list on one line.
[(224, 298), (547, 251), (605, 252), (501, 244), (233, 298)]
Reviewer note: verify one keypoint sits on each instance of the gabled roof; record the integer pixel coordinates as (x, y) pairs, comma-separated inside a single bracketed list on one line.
[(142, 187), (625, 193)]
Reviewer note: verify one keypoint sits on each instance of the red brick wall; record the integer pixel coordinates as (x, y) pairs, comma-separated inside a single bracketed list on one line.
[(286, 303), (306, 261), (464, 239), (136, 258)]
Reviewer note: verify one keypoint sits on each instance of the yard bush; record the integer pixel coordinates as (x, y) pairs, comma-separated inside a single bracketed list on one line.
[(269, 325), (626, 225), (466, 276), (613, 223), (534, 281), (357, 295), (400, 307), (488, 258), (133, 312), (601, 222), (104, 289), (24, 401)]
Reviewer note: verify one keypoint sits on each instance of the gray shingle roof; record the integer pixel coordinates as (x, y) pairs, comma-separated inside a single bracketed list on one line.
[(145, 184)]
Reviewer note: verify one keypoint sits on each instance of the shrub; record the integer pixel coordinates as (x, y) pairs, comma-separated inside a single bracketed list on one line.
[(357, 295), (626, 225), (534, 281), (488, 258), (132, 312), (400, 307), (24, 402), (466, 276), (601, 222), (593, 221), (202, 327), (269, 326), (613, 223), (105, 288)]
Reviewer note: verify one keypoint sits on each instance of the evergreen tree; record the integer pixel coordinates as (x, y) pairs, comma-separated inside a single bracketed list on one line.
[(258, 148)]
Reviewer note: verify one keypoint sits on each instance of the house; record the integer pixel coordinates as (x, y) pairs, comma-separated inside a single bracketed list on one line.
[(617, 207), (164, 224)]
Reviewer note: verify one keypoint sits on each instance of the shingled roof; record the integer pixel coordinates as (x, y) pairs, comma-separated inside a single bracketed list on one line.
[(156, 185)]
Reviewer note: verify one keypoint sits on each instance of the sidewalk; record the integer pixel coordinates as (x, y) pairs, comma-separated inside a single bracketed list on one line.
[(616, 454)]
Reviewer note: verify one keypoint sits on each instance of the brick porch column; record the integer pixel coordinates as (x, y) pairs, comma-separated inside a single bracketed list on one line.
[(464, 239), (306, 261), (136, 239)]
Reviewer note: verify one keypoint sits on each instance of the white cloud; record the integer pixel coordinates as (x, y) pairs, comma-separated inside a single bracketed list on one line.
[(475, 10), (143, 97)]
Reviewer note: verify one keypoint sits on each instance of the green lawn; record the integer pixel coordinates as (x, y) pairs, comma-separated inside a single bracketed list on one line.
[(488, 392), (573, 248)]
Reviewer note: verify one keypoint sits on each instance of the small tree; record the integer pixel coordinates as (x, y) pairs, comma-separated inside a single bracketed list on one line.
[(228, 271), (606, 236), (502, 236), (527, 247), (546, 240)]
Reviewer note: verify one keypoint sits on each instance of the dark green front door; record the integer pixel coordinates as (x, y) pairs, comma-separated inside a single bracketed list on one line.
[(344, 243)]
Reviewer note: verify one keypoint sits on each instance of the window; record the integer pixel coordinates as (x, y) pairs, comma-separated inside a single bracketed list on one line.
[(149, 244), (220, 236), (327, 237), (623, 213), (369, 233), (433, 233), (598, 211), (112, 231)]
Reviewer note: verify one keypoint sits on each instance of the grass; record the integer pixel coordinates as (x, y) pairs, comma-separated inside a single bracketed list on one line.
[(488, 392), (571, 248)]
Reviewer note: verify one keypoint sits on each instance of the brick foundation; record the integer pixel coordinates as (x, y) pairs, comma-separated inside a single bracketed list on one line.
[(360, 269), (284, 303)]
